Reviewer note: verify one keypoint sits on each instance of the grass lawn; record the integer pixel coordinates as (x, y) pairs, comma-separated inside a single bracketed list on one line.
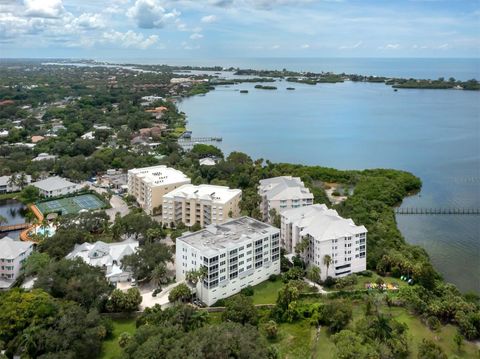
[(110, 348), (295, 340), (266, 292), (9, 195), (417, 331)]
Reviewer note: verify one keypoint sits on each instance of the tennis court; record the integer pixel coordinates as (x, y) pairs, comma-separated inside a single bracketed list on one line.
[(71, 204)]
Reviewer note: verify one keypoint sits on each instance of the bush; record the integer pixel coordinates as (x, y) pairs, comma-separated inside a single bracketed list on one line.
[(366, 273), (329, 282), (247, 291), (433, 323), (346, 281), (271, 329), (273, 278)]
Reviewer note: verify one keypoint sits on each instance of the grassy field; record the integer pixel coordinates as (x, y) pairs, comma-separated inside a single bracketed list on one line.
[(111, 349), (266, 292), (10, 195)]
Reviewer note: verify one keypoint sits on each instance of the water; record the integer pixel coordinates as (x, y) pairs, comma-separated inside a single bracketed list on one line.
[(14, 212), (433, 133), (426, 68)]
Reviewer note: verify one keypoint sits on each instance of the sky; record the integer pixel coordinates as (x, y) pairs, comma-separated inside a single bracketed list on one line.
[(129, 29)]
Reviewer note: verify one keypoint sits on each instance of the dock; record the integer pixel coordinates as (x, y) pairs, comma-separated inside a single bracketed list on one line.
[(187, 143), (434, 211), (14, 227)]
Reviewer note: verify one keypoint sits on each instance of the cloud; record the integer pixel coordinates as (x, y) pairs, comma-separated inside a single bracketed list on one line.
[(209, 19), (390, 47), (442, 47), (43, 8), (90, 21), (354, 46), (129, 39), (149, 14), (305, 46), (196, 36)]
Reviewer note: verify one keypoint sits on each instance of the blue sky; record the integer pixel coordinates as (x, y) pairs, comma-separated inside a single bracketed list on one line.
[(126, 29)]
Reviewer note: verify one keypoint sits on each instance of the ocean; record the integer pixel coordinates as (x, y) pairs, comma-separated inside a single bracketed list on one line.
[(434, 134)]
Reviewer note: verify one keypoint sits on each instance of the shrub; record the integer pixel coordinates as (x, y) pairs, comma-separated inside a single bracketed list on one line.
[(346, 281), (247, 291), (273, 277), (366, 273), (433, 323), (271, 329), (329, 282)]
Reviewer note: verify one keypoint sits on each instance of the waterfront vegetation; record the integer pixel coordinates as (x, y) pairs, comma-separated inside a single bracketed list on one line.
[(59, 318)]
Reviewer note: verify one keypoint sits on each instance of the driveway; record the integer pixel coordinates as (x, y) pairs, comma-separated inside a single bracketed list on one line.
[(118, 206), (161, 298)]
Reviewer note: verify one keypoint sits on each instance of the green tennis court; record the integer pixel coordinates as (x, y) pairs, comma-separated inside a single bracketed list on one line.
[(71, 204)]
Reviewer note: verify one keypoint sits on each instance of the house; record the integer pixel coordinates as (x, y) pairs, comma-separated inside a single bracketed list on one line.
[(36, 139), (45, 157), (149, 184), (234, 255), (203, 204), (280, 193), (12, 256), (7, 185), (329, 235), (56, 186), (3, 133), (107, 256)]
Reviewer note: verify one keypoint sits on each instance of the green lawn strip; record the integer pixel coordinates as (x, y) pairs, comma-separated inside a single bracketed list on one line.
[(10, 195), (266, 292), (110, 348)]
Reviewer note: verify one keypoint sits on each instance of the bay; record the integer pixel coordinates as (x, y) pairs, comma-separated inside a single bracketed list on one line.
[(434, 134)]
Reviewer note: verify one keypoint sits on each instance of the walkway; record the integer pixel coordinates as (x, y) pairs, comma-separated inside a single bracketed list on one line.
[(24, 235)]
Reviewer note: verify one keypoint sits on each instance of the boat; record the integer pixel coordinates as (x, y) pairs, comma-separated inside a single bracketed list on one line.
[(243, 91)]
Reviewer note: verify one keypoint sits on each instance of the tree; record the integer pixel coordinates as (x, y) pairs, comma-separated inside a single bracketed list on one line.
[(271, 328), (74, 280), (159, 274), (428, 349), (126, 302), (240, 309), (313, 273), (349, 345), (336, 315), (124, 339), (146, 259), (29, 194), (180, 293), (35, 263), (3, 220), (327, 260)]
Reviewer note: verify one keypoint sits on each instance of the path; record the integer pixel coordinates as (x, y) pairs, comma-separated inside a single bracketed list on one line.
[(313, 284)]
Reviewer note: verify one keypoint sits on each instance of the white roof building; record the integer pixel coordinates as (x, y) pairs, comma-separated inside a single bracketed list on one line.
[(12, 256), (207, 161), (56, 186), (281, 193), (44, 156), (108, 256), (203, 204), (329, 234), (7, 186)]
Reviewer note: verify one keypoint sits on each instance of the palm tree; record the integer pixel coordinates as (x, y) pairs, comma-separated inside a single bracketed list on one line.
[(327, 260), (381, 327), (12, 181), (22, 180), (159, 274)]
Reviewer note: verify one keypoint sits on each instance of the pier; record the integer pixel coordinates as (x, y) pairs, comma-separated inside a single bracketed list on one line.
[(189, 142), (433, 211), (14, 227)]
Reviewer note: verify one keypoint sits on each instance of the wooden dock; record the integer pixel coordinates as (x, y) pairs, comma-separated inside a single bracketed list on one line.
[(199, 139), (434, 211), (14, 227)]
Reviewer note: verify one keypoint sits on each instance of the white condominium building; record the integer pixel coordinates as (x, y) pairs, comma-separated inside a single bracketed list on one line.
[(329, 235), (204, 204), (281, 193), (56, 186), (149, 184), (12, 256), (236, 254)]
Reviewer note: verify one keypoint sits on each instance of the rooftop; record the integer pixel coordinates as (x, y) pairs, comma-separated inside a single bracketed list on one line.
[(284, 187), (322, 223), (159, 175), (217, 194), (216, 238), (53, 183), (11, 249)]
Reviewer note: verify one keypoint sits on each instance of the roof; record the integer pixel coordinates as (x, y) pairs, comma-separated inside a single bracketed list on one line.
[(159, 175), (284, 187), (4, 180), (217, 238), (207, 161), (101, 254), (321, 223), (53, 183), (11, 249), (216, 194)]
